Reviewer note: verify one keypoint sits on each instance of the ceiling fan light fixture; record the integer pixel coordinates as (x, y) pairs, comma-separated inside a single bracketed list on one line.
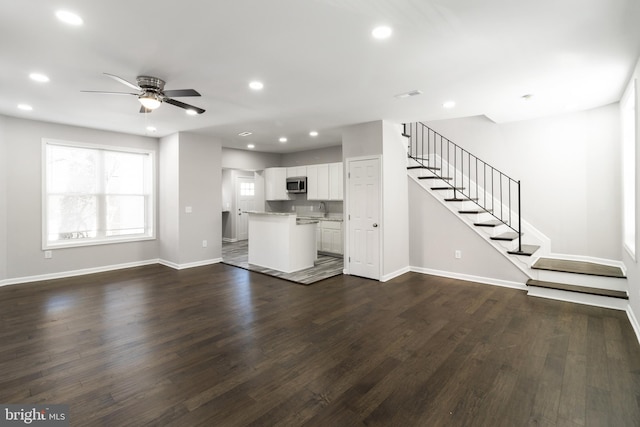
[(150, 101)]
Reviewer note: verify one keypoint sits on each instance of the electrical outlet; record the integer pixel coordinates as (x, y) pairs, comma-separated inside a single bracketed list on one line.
[(458, 254), (48, 254), (188, 209), (204, 243)]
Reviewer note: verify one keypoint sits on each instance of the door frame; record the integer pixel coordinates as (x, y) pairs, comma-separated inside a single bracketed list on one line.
[(237, 200), (347, 231)]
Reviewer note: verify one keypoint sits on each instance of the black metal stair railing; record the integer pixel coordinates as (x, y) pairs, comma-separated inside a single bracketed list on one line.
[(470, 178)]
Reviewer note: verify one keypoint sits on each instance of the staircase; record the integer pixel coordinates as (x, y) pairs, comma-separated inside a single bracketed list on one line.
[(489, 202)]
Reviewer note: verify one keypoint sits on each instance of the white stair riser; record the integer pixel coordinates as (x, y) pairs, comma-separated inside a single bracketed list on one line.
[(579, 298), (586, 280)]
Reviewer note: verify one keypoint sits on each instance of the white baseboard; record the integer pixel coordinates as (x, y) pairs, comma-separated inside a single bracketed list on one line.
[(72, 273), (189, 264), (399, 272), (470, 278), (102, 269)]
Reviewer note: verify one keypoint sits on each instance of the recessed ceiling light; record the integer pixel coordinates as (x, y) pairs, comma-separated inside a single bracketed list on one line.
[(381, 32), (449, 104), (69, 17), (151, 128), (39, 77), (191, 112), (256, 85), (251, 146), (25, 107), (244, 134), (313, 133), (283, 139)]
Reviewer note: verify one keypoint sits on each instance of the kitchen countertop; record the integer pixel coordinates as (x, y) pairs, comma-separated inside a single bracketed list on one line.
[(322, 218)]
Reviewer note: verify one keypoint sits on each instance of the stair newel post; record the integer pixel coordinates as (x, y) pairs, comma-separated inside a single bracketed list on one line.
[(519, 219)]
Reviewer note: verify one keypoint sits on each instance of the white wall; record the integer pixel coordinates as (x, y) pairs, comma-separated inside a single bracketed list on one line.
[(569, 169), (631, 264), (23, 174)]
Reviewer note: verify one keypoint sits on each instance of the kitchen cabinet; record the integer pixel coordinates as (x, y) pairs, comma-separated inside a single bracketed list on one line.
[(296, 171), (318, 182), (330, 237), (275, 183), (336, 181)]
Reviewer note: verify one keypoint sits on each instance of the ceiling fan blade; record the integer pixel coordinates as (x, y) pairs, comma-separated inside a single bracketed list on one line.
[(183, 105), (145, 110), (123, 81), (102, 92), (181, 92)]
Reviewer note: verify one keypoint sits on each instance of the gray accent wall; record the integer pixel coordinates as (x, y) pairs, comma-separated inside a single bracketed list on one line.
[(190, 179), (22, 145), (436, 233), (313, 157), (3, 202), (249, 160)]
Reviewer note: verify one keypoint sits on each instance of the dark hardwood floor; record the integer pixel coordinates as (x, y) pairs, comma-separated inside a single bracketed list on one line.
[(222, 346)]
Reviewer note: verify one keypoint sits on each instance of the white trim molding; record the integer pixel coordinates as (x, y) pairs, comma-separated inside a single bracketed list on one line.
[(102, 269), (471, 278)]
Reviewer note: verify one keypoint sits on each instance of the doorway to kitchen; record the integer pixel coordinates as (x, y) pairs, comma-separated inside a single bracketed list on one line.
[(245, 201)]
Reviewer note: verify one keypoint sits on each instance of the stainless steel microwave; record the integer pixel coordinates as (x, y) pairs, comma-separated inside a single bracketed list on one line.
[(297, 184)]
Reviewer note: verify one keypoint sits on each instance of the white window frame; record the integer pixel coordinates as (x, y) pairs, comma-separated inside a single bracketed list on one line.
[(150, 234), (629, 138)]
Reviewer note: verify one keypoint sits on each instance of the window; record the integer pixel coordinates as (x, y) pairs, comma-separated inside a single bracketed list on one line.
[(628, 113), (96, 195), (247, 189)]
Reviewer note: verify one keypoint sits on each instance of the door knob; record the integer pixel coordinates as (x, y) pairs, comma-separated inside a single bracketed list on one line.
[(375, 225)]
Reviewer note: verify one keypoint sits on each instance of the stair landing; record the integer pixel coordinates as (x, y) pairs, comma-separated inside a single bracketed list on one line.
[(578, 267)]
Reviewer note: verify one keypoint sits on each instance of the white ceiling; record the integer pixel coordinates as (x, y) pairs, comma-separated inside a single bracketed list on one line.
[(320, 66)]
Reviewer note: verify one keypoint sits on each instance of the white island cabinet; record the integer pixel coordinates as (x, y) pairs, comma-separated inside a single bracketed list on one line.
[(279, 242)]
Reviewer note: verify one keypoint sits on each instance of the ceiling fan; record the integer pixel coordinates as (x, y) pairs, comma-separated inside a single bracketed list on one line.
[(151, 93)]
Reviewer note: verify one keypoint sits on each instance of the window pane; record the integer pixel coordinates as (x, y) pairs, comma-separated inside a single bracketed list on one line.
[(71, 217), (71, 170), (125, 172), (95, 195), (125, 215)]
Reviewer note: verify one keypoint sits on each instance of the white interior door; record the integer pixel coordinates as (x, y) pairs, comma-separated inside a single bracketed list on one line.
[(245, 201), (364, 218)]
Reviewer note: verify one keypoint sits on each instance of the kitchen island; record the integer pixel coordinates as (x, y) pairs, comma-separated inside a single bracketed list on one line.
[(279, 242)]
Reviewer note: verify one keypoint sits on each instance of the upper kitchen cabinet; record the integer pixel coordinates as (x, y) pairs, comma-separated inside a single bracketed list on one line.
[(296, 171), (275, 183), (336, 181), (318, 182)]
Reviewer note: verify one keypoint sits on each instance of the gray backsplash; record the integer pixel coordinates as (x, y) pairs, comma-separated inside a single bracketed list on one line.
[(304, 207)]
